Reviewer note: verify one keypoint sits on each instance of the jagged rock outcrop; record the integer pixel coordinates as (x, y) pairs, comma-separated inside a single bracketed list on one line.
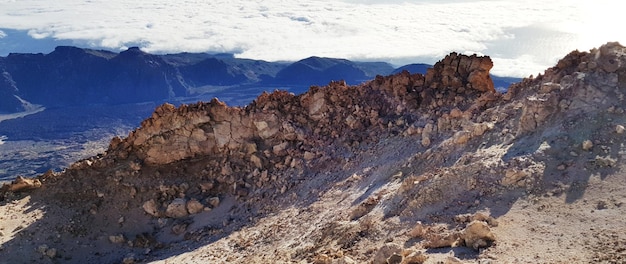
[(239, 151), (282, 124)]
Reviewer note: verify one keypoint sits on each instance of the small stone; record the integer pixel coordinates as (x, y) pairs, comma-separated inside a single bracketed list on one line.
[(587, 145), (309, 155), (478, 235), (395, 259), (130, 259), (561, 167), (256, 161), (150, 207), (417, 231), (456, 113), (415, 258), (385, 252), (214, 201), (51, 253), (194, 207), (205, 186), (513, 176), (179, 229), (42, 249), (619, 129), (118, 239), (177, 208), (120, 220)]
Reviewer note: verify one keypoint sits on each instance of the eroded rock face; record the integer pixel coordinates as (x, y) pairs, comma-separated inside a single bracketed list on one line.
[(460, 71)]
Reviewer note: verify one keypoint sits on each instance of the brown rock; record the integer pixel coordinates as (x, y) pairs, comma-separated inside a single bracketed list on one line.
[(385, 252), (587, 145), (214, 202), (117, 239), (309, 155), (151, 208), (194, 206), (395, 259), (177, 208), (477, 235), (453, 260), (256, 161), (21, 184), (179, 229), (418, 231), (514, 176), (456, 71), (414, 258)]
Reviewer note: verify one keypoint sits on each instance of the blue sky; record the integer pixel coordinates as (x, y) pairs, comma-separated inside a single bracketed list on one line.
[(523, 38)]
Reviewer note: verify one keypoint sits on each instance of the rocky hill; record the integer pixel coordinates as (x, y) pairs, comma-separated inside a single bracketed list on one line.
[(407, 168)]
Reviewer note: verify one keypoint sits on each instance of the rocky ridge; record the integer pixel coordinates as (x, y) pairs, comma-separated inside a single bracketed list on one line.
[(408, 159)]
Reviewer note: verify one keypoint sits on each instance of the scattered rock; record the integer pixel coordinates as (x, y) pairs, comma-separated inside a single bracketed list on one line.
[(395, 259), (514, 176), (413, 257), (214, 202), (177, 208), (478, 235), (21, 184), (256, 161), (130, 259), (385, 252), (194, 206), (619, 129), (309, 155), (51, 253), (587, 145), (418, 231), (117, 239), (179, 229), (151, 208)]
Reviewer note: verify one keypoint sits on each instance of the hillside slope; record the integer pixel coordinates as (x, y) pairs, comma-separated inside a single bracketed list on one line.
[(402, 169)]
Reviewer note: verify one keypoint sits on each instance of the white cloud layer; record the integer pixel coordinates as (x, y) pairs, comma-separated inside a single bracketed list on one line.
[(523, 38)]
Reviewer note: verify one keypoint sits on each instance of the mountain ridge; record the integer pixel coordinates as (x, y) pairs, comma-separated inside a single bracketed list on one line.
[(71, 76)]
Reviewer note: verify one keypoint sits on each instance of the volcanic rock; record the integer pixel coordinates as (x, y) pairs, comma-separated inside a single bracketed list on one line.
[(177, 208), (477, 235)]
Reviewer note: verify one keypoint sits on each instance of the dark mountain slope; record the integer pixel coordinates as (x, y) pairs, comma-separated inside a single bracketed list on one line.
[(71, 76)]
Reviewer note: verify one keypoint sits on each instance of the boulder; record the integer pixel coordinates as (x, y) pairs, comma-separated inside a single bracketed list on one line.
[(177, 208), (477, 235)]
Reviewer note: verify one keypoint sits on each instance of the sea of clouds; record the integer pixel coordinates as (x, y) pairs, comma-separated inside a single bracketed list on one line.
[(523, 38)]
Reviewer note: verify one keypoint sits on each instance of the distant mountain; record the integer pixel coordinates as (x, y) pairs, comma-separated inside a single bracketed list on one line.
[(71, 76), (413, 68), (319, 71), (9, 99), (74, 76)]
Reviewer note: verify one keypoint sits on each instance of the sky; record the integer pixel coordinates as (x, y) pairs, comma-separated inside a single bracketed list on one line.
[(522, 37)]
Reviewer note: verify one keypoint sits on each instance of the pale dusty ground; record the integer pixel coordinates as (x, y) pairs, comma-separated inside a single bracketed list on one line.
[(535, 228)]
